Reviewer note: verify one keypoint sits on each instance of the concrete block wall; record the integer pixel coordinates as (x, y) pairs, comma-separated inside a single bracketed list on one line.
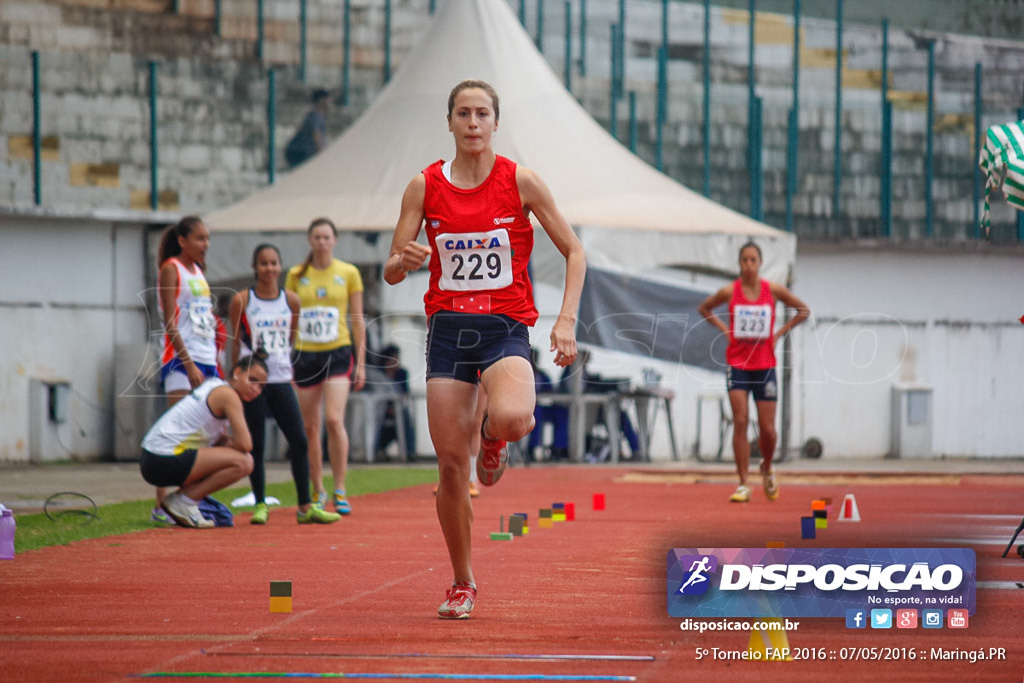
[(212, 101), (861, 115)]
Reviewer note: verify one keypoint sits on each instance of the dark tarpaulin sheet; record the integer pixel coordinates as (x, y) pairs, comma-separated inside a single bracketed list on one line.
[(625, 313)]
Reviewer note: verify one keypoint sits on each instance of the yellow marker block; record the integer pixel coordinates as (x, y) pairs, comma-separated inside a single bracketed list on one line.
[(280, 597), (820, 523), (280, 605), (770, 645), (558, 516)]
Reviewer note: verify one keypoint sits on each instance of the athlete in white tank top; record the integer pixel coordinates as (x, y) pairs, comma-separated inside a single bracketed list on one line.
[(189, 424), (267, 325)]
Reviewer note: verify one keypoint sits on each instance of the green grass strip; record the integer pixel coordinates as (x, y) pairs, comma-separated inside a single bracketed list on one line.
[(38, 531)]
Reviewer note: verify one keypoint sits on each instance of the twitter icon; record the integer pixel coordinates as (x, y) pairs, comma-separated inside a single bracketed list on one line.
[(881, 618)]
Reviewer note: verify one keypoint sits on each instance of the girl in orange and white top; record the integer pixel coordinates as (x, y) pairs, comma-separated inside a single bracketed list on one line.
[(751, 360), (189, 354)]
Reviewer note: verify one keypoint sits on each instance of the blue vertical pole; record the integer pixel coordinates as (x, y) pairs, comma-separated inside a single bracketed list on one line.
[(522, 12), (793, 137), (978, 127), (568, 45), (583, 38), (621, 64), (37, 135), (218, 15), (303, 36), (885, 174), (633, 132), (887, 169), (346, 49), (757, 167), (752, 133), (271, 124), (433, 6), (260, 29), (540, 26), (929, 158), (662, 112), (387, 40), (613, 123), (837, 160), (707, 99), (154, 158)]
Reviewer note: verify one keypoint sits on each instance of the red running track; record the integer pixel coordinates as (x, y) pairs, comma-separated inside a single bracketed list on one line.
[(365, 590)]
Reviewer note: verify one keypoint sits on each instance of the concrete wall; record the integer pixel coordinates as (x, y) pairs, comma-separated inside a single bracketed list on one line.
[(213, 93), (66, 310), (884, 317)]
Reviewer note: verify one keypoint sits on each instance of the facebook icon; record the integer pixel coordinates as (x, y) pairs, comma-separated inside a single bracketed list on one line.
[(856, 618)]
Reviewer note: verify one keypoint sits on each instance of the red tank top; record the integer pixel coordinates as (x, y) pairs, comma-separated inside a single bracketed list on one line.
[(482, 243), (752, 325)]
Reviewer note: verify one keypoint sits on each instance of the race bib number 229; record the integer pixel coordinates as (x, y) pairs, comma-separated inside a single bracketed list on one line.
[(474, 260)]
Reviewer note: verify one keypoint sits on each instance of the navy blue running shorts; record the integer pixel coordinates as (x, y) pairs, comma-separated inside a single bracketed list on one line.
[(462, 345), (761, 383)]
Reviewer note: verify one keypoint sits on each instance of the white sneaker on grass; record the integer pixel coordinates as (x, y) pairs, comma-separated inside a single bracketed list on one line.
[(185, 513)]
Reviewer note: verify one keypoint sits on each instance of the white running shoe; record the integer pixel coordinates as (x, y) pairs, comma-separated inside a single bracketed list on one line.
[(184, 513)]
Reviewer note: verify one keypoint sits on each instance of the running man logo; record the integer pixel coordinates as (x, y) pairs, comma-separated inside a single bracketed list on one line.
[(695, 581)]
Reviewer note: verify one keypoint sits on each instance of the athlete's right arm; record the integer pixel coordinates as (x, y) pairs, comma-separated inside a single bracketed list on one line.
[(708, 306), (167, 290), (406, 253), (238, 303)]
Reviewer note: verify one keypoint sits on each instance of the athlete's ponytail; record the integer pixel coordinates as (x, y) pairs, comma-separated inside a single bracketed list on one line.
[(169, 245)]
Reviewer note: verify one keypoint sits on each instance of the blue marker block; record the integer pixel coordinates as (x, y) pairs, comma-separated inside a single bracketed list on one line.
[(807, 529)]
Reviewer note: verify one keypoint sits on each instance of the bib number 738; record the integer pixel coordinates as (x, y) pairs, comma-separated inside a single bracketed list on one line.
[(474, 260)]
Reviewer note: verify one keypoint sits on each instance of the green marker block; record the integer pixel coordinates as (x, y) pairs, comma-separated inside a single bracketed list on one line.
[(501, 536)]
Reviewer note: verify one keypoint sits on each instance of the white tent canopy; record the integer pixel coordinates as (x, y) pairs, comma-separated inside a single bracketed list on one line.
[(625, 211)]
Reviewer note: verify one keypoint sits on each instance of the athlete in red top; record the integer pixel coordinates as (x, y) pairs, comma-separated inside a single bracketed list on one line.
[(751, 360), (479, 305)]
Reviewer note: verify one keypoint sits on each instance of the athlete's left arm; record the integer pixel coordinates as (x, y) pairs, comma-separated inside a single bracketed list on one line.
[(225, 402), (787, 297), (536, 197), (357, 319)]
